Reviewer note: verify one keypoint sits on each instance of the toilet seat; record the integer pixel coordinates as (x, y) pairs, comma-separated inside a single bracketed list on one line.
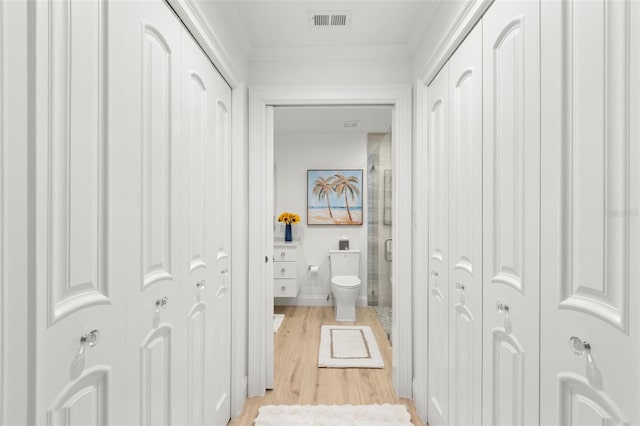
[(345, 281)]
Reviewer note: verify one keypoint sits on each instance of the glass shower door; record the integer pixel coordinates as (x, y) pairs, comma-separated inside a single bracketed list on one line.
[(380, 245)]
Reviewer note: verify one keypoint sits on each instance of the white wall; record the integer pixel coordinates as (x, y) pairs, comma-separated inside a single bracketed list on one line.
[(327, 70), (294, 155)]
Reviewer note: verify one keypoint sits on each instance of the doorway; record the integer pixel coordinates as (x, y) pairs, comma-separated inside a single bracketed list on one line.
[(261, 140)]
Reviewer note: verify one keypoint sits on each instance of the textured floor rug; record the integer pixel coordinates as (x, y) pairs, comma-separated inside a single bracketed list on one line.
[(277, 321), (333, 415), (348, 346)]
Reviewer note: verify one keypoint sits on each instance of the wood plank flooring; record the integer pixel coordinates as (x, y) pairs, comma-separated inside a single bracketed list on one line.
[(298, 380)]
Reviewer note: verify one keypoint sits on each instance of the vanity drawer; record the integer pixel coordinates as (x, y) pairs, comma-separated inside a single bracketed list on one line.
[(284, 269), (284, 254), (285, 288)]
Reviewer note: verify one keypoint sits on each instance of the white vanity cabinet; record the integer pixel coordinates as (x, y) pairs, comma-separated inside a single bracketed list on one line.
[(286, 257)]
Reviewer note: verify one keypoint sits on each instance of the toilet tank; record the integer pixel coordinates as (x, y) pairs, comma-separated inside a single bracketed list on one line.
[(345, 262)]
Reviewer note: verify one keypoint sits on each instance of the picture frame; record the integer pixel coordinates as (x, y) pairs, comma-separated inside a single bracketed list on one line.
[(334, 197)]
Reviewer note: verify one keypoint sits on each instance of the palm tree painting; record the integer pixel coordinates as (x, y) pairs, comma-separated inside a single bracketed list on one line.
[(334, 197), (322, 188)]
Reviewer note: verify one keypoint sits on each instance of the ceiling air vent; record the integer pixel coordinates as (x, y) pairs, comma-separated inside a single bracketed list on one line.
[(330, 19), (350, 124)]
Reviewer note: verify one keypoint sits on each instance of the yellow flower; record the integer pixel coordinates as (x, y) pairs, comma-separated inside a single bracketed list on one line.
[(288, 218)]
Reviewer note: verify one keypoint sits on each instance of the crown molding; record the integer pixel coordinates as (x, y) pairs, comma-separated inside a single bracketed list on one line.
[(191, 16), (466, 19)]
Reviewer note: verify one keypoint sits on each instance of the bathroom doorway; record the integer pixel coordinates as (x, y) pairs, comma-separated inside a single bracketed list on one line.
[(330, 138), (379, 227), (262, 102)]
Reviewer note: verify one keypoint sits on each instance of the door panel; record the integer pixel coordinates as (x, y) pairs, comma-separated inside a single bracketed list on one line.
[(157, 194), (78, 162), (206, 104), (76, 268), (511, 212), (222, 302), (84, 401), (465, 231), (589, 213), (147, 66), (155, 377), (438, 110)]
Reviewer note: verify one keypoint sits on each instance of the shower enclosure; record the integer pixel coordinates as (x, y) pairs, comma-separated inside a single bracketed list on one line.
[(380, 245)]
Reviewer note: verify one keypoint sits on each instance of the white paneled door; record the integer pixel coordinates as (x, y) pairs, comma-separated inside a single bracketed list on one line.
[(80, 300), (590, 373), (465, 232), (511, 217), (206, 106), (133, 219), (146, 63), (438, 113)]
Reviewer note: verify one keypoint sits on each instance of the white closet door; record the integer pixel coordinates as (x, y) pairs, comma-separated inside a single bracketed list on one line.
[(221, 203), (79, 219), (438, 113), (590, 220), (465, 232), (206, 106), (146, 62), (511, 219)]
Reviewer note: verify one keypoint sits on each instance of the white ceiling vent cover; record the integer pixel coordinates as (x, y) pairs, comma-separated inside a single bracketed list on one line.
[(350, 124), (330, 18)]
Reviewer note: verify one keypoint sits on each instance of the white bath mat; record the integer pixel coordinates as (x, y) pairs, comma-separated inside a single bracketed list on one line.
[(277, 321), (348, 346), (333, 415)]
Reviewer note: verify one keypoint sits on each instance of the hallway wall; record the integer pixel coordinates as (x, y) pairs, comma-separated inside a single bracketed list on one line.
[(294, 155), (330, 70)]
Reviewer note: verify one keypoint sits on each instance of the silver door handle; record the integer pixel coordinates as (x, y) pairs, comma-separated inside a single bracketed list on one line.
[(579, 347), (502, 307), (162, 303), (388, 254), (90, 338)]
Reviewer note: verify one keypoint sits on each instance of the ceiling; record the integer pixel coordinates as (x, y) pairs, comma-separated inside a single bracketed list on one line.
[(328, 120), (267, 29)]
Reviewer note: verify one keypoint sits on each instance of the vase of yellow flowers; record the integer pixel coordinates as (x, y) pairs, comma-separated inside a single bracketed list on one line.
[(288, 219)]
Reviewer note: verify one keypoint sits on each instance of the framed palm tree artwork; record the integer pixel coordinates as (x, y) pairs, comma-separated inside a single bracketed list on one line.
[(334, 197)]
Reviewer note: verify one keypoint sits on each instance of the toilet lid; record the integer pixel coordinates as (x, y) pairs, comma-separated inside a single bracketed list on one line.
[(346, 281)]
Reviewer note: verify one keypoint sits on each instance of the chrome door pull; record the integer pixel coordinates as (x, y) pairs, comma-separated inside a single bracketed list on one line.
[(579, 347), (90, 339), (502, 307), (388, 254), (160, 303)]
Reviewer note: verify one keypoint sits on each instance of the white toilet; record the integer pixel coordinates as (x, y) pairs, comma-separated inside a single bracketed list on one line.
[(345, 282)]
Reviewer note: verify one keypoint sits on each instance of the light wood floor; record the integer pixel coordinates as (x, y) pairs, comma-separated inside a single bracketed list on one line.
[(298, 380)]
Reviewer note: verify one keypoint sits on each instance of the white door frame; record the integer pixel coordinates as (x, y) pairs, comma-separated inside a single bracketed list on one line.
[(260, 333)]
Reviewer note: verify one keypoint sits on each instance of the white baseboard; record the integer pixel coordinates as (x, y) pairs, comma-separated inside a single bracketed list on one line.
[(312, 300)]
